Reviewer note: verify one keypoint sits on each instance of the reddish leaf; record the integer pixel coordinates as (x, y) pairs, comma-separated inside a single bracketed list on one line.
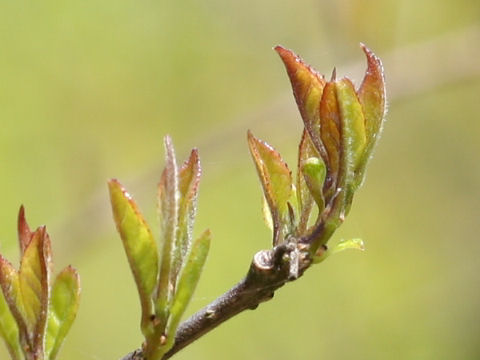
[(276, 180), (34, 279), (330, 134), (372, 95), (24, 232), (307, 87)]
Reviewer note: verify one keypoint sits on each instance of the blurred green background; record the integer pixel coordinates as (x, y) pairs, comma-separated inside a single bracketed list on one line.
[(89, 88)]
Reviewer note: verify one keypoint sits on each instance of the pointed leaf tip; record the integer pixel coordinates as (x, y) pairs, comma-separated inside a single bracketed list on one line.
[(24, 232), (276, 179), (138, 242), (372, 95), (307, 87)]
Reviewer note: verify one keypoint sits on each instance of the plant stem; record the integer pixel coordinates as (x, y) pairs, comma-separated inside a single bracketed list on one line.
[(269, 270)]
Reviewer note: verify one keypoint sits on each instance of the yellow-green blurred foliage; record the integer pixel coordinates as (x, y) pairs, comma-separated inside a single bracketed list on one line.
[(89, 88)]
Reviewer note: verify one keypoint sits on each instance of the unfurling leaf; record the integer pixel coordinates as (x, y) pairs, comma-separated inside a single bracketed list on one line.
[(342, 125), (34, 280), (353, 127), (32, 306), (188, 182), (314, 172), (24, 232), (307, 87), (355, 244), (9, 330), (188, 279), (139, 245), (373, 99), (64, 302), (168, 203), (306, 150), (276, 181)]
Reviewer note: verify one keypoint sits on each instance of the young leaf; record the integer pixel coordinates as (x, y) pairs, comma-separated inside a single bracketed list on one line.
[(307, 87), (372, 95), (356, 244), (373, 99), (276, 181), (306, 150), (353, 127), (331, 137), (10, 283), (168, 199), (34, 281), (314, 172), (188, 280), (9, 330), (188, 181), (139, 245), (24, 232), (65, 298)]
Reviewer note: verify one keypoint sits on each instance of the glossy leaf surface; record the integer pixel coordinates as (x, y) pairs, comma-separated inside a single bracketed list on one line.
[(138, 242)]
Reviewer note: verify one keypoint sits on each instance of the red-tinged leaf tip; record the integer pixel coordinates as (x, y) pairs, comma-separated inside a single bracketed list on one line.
[(307, 87), (276, 179), (189, 175), (330, 134), (23, 230), (372, 95)]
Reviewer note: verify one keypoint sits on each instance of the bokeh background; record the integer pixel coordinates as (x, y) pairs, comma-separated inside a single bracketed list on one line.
[(89, 88)]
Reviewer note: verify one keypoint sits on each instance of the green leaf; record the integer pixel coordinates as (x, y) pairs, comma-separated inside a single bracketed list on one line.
[(314, 172), (188, 182), (63, 308), (188, 280), (306, 150), (139, 245), (34, 281), (10, 283), (355, 244), (353, 128), (352, 118), (9, 330), (276, 181), (168, 203)]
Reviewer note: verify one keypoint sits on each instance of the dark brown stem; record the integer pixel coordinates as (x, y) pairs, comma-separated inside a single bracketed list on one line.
[(269, 270)]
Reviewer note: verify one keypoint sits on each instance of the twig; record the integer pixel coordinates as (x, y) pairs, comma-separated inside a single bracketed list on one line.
[(269, 270)]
